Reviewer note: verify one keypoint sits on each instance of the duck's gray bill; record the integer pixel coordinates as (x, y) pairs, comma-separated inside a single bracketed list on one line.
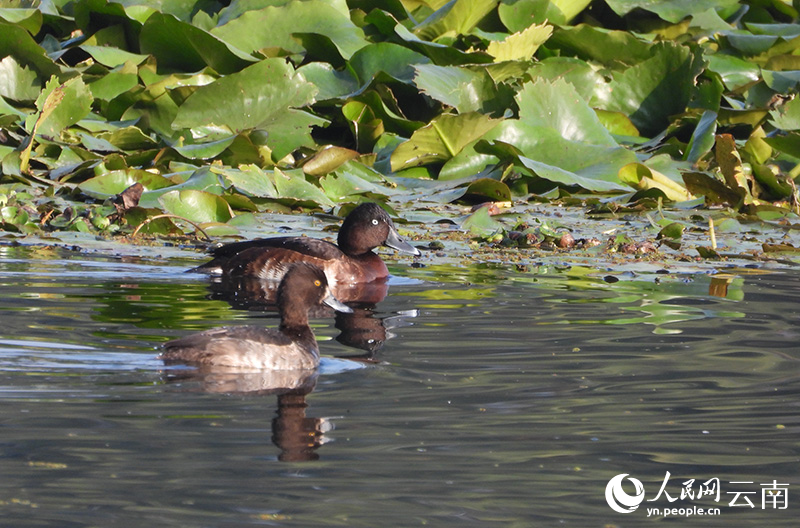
[(336, 304), (395, 242)]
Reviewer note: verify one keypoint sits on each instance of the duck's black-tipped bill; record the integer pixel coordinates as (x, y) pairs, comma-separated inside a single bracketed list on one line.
[(336, 304), (394, 241)]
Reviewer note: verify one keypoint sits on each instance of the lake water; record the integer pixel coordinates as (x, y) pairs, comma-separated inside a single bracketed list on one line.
[(481, 396)]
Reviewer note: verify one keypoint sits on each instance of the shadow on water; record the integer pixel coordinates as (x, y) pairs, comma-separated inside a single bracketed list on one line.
[(481, 396)]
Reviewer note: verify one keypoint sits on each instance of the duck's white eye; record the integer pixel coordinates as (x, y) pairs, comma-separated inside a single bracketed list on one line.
[(374, 221)]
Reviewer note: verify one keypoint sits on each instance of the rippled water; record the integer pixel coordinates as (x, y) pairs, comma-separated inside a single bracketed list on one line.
[(497, 398)]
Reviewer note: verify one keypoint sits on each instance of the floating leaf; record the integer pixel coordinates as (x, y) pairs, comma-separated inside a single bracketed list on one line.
[(673, 11), (327, 160), (558, 106), (441, 140), (185, 47), (457, 17), (654, 89), (480, 223), (197, 206), (114, 182), (787, 116), (463, 89), (702, 140), (521, 45), (293, 184), (491, 189), (642, 177), (247, 31), (60, 106)]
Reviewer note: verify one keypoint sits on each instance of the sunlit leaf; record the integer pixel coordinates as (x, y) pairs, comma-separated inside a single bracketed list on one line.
[(114, 182), (642, 177), (293, 184), (558, 106), (263, 95), (327, 160), (276, 27), (249, 179), (673, 11), (441, 140), (60, 105), (197, 206), (521, 45), (17, 42), (480, 223), (463, 89), (457, 17), (17, 82), (787, 116), (653, 90)]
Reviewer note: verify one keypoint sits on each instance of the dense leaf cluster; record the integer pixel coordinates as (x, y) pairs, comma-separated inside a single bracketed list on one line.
[(219, 111)]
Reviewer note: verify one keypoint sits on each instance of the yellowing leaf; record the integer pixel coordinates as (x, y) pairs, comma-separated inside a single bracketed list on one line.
[(642, 177), (521, 45)]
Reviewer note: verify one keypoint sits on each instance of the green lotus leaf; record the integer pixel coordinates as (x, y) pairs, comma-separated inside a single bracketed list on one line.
[(520, 14), (111, 56), (702, 140), (398, 62), (206, 150), (180, 46), (521, 45), (327, 160), (558, 106), (197, 206), (655, 89), (490, 189), (787, 116), (114, 182), (293, 185), (18, 43), (261, 96), (332, 84), (60, 106), (442, 139), (608, 47), (481, 224), (27, 18), (276, 26), (17, 82), (673, 11), (112, 85), (249, 179), (577, 72), (463, 89), (457, 17)]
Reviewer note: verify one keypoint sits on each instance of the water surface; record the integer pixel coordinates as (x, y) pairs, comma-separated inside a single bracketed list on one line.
[(487, 397)]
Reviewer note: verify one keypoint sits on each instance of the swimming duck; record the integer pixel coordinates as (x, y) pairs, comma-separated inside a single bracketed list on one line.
[(290, 347), (349, 261)]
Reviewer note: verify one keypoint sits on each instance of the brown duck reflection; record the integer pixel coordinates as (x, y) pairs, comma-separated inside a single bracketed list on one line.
[(297, 436), (360, 329)]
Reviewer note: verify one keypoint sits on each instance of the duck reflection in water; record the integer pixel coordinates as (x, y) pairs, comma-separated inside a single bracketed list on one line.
[(283, 361), (360, 329), (296, 435)]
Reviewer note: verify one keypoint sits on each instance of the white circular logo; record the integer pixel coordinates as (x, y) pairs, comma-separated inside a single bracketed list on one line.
[(619, 500)]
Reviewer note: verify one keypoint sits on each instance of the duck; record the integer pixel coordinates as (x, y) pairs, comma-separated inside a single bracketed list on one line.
[(290, 347), (349, 261)]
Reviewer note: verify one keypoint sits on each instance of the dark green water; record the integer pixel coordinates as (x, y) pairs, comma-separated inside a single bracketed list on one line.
[(499, 398)]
